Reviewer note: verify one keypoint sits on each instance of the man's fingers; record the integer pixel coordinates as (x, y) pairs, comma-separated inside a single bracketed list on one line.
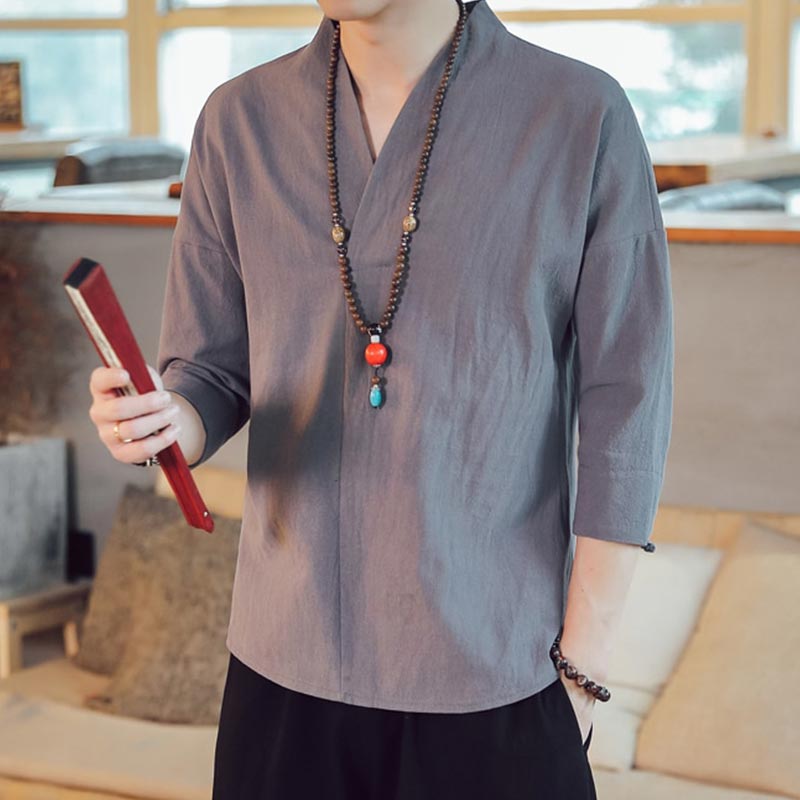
[(139, 426), (108, 406), (141, 449), (104, 380), (131, 406), (148, 419)]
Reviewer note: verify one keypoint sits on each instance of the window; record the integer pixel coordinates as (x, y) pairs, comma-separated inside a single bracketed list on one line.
[(688, 66), (193, 61), (681, 79), (65, 93), (794, 88), (207, 3), (60, 9)]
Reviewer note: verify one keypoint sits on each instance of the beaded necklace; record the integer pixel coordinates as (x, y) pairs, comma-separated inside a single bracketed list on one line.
[(376, 353)]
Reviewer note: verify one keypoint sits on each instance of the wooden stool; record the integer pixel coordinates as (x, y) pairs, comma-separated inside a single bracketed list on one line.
[(31, 610)]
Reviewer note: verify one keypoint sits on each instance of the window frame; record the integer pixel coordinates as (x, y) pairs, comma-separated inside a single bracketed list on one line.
[(767, 27)]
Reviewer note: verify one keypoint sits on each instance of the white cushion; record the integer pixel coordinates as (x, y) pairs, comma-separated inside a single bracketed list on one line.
[(667, 592), (46, 740), (663, 604)]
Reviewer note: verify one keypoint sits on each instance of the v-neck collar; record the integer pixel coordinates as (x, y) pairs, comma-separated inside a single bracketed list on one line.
[(422, 92), (371, 190), (430, 77)]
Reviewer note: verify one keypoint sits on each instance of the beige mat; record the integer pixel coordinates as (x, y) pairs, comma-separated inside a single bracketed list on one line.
[(46, 740)]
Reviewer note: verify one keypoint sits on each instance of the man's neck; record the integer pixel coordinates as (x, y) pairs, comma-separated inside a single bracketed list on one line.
[(388, 52)]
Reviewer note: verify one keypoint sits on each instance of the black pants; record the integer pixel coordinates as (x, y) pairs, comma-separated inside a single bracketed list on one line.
[(274, 743)]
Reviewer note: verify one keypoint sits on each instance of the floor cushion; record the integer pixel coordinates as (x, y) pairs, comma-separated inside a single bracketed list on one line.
[(174, 663), (637, 784), (64, 744), (730, 713)]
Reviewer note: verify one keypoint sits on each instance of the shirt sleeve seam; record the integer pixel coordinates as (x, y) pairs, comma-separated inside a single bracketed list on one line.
[(648, 165), (222, 250), (623, 470), (624, 238), (644, 153)]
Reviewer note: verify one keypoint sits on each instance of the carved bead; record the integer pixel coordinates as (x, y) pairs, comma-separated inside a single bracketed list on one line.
[(409, 223), (338, 233)]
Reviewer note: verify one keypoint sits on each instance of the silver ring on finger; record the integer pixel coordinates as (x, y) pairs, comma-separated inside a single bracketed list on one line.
[(117, 434), (152, 461)]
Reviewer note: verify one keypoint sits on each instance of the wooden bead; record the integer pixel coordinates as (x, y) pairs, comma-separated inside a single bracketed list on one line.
[(599, 692)]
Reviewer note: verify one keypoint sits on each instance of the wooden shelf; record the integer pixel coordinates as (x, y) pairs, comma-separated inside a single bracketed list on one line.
[(148, 204)]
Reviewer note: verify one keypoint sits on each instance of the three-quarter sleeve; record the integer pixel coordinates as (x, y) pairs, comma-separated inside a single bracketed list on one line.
[(623, 322), (203, 351)]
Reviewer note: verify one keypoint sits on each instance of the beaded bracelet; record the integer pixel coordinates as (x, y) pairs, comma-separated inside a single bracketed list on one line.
[(600, 692)]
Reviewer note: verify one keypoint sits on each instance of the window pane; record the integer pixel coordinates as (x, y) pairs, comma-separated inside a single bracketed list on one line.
[(62, 8), (681, 79), (206, 3), (560, 5), (193, 61), (63, 89), (794, 88)]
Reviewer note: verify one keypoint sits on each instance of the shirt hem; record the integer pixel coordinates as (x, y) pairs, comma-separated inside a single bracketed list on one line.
[(387, 703)]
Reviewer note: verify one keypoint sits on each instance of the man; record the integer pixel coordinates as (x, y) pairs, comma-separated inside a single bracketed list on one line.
[(405, 565)]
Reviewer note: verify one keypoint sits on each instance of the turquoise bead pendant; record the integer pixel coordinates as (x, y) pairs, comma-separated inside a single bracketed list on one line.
[(376, 355)]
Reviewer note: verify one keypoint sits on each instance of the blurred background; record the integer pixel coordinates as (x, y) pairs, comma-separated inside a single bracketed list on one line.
[(707, 66)]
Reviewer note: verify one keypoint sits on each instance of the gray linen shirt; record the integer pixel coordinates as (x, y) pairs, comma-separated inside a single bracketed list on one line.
[(416, 556)]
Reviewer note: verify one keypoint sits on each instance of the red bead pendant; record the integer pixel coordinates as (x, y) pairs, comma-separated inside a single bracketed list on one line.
[(375, 352)]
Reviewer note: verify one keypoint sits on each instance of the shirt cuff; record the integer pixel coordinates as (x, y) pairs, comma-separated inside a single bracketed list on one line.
[(218, 409), (617, 505)]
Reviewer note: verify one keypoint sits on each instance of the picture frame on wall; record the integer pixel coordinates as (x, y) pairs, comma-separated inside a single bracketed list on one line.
[(11, 95)]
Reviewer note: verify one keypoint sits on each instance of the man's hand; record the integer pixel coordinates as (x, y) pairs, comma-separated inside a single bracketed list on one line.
[(147, 423), (151, 421), (601, 574)]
